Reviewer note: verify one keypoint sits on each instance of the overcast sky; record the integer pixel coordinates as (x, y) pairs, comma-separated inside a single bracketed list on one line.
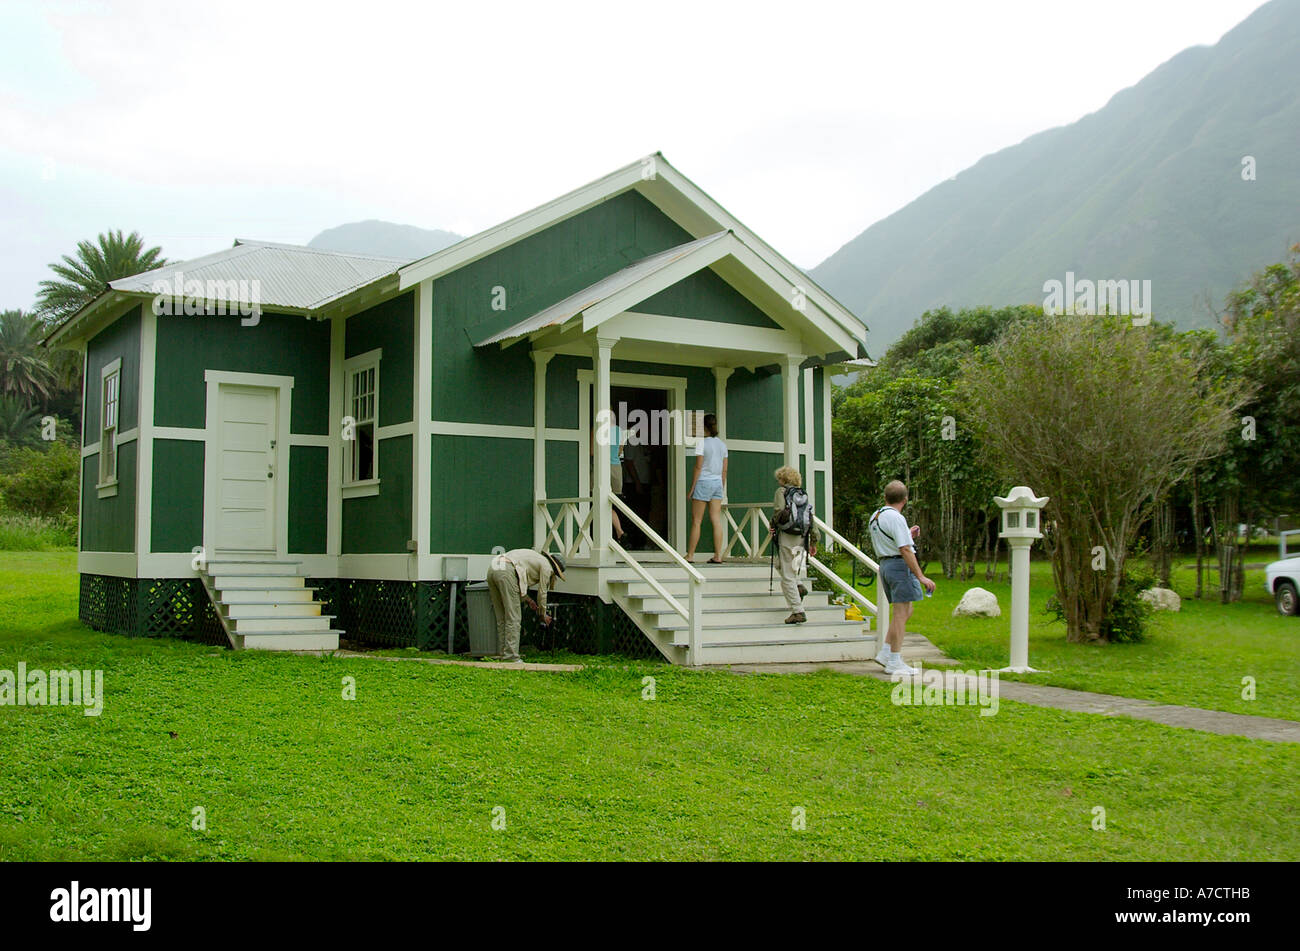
[(197, 123)]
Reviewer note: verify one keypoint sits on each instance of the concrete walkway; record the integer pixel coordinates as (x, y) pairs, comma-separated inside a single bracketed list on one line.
[(918, 649)]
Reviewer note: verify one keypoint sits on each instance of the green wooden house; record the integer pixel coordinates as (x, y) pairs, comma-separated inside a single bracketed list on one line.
[(284, 444)]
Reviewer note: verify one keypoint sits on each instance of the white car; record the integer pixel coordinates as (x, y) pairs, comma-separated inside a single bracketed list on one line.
[(1283, 580)]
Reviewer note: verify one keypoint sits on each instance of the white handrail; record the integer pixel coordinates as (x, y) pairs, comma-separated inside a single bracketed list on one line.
[(845, 544), (881, 612), (650, 580), (653, 536), (843, 585), (694, 617)]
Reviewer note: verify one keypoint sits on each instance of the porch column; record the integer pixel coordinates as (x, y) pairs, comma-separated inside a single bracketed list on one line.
[(790, 407), (601, 531), (720, 375), (540, 360)]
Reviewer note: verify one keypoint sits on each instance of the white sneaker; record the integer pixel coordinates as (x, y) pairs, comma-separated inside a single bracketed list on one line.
[(898, 667), (882, 656)]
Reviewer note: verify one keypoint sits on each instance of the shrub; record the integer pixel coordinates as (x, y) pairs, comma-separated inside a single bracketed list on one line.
[(37, 533), (42, 482), (1125, 620)]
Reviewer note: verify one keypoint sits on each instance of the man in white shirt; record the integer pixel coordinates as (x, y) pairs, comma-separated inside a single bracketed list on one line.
[(509, 577), (901, 579)]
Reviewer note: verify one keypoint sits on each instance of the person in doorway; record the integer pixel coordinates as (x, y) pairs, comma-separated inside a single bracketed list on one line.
[(901, 578), (708, 488), (792, 535), (615, 469), (510, 577)]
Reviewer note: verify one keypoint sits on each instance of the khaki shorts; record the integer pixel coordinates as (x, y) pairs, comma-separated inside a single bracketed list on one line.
[(616, 478)]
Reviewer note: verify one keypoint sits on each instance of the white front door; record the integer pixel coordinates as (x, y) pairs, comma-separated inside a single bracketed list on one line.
[(247, 476)]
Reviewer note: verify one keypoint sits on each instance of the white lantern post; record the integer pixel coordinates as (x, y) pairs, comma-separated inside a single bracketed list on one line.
[(1021, 518)]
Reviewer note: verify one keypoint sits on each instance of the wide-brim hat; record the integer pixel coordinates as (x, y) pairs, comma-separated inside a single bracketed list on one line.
[(557, 562)]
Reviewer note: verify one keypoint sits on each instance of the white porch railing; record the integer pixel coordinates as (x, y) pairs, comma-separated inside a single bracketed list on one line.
[(570, 528), (752, 534), (692, 612)]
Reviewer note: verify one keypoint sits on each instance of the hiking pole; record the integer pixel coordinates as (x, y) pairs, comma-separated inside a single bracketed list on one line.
[(771, 569)]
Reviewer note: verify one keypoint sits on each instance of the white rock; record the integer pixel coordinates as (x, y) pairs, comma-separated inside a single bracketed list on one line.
[(1162, 599), (977, 602)]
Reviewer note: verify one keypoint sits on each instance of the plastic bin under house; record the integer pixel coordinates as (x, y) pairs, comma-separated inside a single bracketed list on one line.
[(482, 620)]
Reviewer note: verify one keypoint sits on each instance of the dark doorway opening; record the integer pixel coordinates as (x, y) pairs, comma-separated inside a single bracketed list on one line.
[(643, 415)]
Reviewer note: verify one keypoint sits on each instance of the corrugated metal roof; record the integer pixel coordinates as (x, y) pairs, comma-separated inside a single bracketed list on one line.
[(273, 276), (574, 304)]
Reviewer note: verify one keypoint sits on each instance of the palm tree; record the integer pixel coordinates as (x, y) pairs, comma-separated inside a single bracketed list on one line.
[(18, 421), (84, 277), (25, 371)]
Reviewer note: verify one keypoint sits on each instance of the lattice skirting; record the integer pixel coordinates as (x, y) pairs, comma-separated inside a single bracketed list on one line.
[(377, 613), (149, 607)]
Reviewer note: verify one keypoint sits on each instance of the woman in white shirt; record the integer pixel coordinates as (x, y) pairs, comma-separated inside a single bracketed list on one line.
[(708, 488)]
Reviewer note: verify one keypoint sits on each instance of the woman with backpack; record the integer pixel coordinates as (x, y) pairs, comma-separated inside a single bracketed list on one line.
[(708, 488), (792, 537)]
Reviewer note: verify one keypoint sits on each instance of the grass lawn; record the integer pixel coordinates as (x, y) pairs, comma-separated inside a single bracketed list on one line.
[(712, 768), (1196, 657)]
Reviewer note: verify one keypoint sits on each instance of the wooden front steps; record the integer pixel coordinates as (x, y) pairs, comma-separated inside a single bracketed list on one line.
[(264, 604), (742, 621)]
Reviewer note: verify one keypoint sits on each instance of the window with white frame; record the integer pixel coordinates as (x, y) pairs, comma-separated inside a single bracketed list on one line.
[(110, 390), (361, 445)]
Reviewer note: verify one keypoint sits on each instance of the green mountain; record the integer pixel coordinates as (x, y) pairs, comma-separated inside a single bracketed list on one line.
[(1150, 187), (384, 239)]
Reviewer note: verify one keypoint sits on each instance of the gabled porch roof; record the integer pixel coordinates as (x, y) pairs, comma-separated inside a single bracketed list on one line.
[(606, 309)]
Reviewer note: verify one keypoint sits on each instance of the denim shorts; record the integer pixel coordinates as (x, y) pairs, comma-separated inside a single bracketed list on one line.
[(706, 490), (898, 582)]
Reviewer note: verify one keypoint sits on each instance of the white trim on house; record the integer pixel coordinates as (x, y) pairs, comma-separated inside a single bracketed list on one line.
[(442, 427), (307, 439), (131, 435), (334, 482), (691, 332), (81, 467), (828, 516), (540, 362), (120, 564), (215, 379), (755, 445), (144, 452), (720, 377), (422, 447), (809, 440), (394, 429), (180, 432)]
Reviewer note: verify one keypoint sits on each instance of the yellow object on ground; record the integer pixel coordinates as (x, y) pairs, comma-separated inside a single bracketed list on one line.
[(853, 613)]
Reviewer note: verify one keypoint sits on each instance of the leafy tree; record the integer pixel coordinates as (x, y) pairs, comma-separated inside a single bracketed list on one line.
[(82, 278), (25, 371), (903, 428), (1255, 479), (1104, 418)]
